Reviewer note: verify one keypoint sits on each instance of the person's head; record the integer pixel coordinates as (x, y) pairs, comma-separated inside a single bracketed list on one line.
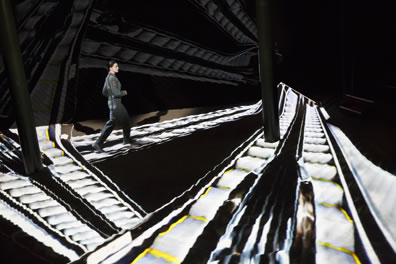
[(113, 66)]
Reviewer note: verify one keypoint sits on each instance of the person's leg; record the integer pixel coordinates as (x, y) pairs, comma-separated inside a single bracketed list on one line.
[(108, 128), (126, 125)]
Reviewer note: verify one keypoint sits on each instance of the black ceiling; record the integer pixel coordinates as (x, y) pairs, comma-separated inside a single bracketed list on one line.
[(187, 53)]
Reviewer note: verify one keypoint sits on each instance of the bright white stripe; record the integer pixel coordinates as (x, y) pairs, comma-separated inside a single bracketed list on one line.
[(139, 240), (35, 231), (352, 157), (362, 233), (111, 248), (97, 180)]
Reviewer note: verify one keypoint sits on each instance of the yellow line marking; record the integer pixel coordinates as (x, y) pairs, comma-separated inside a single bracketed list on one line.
[(141, 255), (218, 187), (201, 218), (166, 256), (46, 132), (339, 208), (228, 171), (207, 191), (326, 180), (243, 169), (158, 254), (257, 157), (181, 220), (345, 250), (310, 162)]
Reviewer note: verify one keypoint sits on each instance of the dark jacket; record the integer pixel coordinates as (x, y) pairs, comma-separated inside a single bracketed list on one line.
[(112, 87)]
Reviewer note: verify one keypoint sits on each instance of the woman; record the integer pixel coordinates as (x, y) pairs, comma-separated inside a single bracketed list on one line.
[(118, 114)]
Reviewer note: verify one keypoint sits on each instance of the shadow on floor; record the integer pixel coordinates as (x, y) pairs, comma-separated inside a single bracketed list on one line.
[(153, 119)]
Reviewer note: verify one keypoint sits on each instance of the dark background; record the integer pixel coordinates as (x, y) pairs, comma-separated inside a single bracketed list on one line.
[(328, 49)]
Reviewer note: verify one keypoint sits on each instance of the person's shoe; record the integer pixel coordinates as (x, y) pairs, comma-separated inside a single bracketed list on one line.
[(127, 141), (97, 147)]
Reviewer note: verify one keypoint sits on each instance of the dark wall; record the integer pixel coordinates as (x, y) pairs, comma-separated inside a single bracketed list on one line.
[(339, 47), (329, 48), (152, 93), (370, 44), (158, 87), (311, 48)]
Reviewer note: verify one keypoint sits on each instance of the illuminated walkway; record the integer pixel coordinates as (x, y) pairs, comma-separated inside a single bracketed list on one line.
[(309, 198)]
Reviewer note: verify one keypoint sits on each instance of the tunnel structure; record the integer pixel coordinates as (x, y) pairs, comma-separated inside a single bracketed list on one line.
[(201, 182)]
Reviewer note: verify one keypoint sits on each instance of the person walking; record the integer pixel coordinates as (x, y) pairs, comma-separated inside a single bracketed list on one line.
[(118, 113)]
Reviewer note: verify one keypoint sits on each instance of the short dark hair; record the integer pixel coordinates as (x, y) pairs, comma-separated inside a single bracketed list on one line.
[(111, 64)]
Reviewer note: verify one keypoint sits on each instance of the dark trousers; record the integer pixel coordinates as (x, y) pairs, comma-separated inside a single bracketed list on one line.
[(118, 116)]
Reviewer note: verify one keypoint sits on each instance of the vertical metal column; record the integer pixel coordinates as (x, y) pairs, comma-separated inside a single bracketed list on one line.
[(18, 88), (268, 88)]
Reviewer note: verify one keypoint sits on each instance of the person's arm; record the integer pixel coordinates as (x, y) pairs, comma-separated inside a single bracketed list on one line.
[(115, 87)]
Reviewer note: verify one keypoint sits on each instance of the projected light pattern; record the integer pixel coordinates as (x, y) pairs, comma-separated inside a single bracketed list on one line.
[(159, 133), (376, 184), (59, 67), (288, 112), (63, 42), (174, 244), (162, 40), (87, 184), (237, 214), (187, 60), (33, 17), (252, 246), (39, 234), (39, 214), (334, 226), (212, 10), (237, 9), (97, 52)]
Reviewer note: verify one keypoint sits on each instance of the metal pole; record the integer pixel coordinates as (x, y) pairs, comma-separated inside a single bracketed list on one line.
[(268, 88), (18, 88)]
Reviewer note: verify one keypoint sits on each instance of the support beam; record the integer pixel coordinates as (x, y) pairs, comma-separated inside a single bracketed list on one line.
[(268, 87), (18, 88)]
